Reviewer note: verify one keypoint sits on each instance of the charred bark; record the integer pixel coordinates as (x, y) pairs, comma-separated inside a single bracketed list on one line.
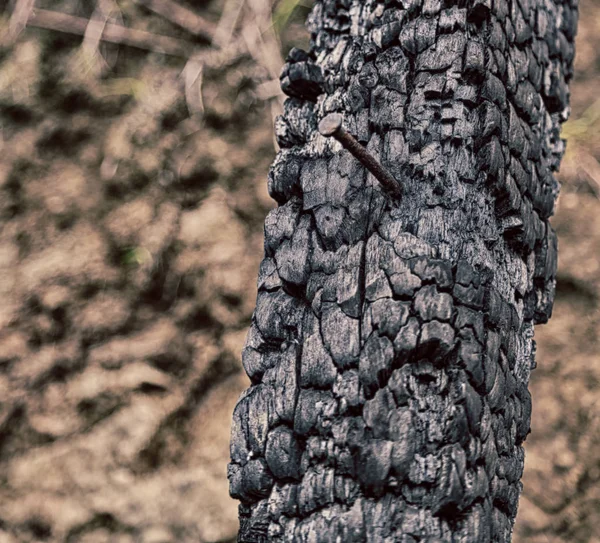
[(392, 341)]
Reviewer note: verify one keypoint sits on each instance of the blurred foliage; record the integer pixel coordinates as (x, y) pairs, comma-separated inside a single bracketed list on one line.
[(135, 256), (284, 11)]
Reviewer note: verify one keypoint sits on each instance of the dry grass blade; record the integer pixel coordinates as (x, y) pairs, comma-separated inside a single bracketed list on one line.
[(181, 16), (94, 30), (590, 168), (226, 26), (97, 53), (264, 46), (61, 22), (193, 72), (19, 17), (268, 42), (192, 75), (93, 36)]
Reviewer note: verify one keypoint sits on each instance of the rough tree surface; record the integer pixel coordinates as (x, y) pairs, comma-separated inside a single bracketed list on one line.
[(392, 342)]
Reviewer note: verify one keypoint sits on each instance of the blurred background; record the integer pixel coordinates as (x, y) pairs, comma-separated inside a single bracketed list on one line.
[(135, 140)]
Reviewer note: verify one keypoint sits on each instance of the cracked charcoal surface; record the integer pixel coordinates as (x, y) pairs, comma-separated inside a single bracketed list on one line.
[(391, 346)]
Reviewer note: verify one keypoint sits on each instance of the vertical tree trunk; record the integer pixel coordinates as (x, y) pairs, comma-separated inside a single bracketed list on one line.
[(391, 345)]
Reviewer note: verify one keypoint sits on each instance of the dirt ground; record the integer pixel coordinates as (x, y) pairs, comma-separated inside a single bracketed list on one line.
[(131, 215)]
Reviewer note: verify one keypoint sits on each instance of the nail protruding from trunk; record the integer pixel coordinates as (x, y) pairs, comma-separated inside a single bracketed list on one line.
[(331, 126)]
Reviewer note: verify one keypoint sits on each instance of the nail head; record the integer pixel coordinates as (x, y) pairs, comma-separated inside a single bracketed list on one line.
[(330, 125)]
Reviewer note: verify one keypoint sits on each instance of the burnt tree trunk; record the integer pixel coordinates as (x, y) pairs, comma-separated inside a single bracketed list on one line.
[(392, 341)]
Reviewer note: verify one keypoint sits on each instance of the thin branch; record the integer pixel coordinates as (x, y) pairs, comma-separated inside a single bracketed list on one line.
[(70, 24), (181, 16)]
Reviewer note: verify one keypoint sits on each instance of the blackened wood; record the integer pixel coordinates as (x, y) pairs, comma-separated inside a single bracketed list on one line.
[(392, 342)]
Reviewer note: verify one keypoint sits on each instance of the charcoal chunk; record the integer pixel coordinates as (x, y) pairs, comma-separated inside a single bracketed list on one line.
[(283, 453), (406, 340), (313, 409), (340, 335), (377, 411), (448, 49), (398, 384), (471, 355), (429, 269), (375, 363), (475, 60), (374, 464), (301, 77), (437, 340), (388, 316), (257, 480), (430, 304), (473, 408), (470, 296)]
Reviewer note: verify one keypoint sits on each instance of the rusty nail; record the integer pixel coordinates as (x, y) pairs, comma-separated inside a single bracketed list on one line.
[(331, 126)]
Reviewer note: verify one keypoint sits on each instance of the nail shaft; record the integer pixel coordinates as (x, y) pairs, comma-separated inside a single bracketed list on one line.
[(331, 126)]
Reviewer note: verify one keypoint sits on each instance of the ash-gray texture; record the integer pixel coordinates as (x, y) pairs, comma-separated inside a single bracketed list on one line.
[(391, 345)]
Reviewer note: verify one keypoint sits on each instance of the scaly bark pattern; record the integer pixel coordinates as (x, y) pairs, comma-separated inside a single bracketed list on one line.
[(392, 342)]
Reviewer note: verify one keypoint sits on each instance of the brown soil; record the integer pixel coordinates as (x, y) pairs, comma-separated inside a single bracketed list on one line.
[(130, 237)]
